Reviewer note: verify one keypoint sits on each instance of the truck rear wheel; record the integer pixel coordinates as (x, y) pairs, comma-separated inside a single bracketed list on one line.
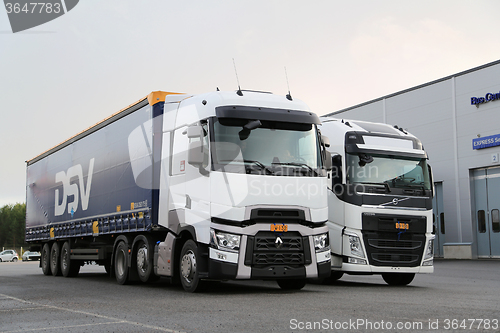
[(121, 263), (291, 284), (69, 268), (398, 279), (188, 271), (143, 258), (55, 263), (45, 259)]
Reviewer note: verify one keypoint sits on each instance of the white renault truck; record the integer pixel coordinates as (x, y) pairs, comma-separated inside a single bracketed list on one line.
[(217, 186), (380, 201)]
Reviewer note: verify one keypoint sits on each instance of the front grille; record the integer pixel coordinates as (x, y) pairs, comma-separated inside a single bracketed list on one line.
[(394, 244), (388, 246), (388, 259), (270, 248), (278, 258), (268, 243)]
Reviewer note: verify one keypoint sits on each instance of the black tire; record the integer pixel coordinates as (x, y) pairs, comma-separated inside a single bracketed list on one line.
[(55, 262), (398, 279), (45, 259), (121, 263), (333, 277), (292, 284), (143, 259), (69, 268), (188, 273), (14, 259)]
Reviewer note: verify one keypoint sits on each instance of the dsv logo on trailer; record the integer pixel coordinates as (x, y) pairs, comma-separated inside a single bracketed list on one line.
[(72, 189)]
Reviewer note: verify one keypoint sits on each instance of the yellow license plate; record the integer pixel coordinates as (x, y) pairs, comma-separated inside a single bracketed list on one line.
[(402, 226), (279, 227)]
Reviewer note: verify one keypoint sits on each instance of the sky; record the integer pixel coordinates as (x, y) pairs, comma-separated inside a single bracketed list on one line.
[(62, 77)]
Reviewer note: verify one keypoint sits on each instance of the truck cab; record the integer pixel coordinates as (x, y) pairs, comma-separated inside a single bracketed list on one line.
[(380, 201)]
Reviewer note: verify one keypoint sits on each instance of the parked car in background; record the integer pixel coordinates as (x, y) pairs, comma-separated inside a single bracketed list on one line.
[(9, 255), (30, 255)]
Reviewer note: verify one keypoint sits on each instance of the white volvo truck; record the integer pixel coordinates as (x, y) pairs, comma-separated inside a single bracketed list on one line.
[(223, 185), (380, 201)]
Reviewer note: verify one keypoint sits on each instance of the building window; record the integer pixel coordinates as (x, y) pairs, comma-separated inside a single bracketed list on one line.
[(481, 221), (495, 220), (441, 217)]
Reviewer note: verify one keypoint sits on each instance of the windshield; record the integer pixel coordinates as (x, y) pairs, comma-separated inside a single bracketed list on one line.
[(391, 171), (272, 148)]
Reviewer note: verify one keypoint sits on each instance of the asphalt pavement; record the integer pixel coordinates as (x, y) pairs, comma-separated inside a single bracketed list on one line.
[(461, 296)]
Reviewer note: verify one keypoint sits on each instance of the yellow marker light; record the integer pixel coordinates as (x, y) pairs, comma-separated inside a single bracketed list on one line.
[(95, 227)]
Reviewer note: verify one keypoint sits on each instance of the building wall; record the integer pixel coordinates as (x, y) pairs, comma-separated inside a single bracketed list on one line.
[(440, 114)]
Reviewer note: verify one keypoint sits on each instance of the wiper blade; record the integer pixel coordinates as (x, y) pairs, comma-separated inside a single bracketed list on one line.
[(373, 183), (297, 164), (260, 164), (257, 163)]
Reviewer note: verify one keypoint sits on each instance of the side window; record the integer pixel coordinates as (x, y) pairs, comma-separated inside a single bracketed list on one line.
[(481, 221), (179, 152)]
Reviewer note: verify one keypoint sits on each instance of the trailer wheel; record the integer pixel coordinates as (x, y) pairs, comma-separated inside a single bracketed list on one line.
[(45, 259), (398, 279), (189, 274), (291, 284), (121, 263), (143, 258), (69, 268), (55, 263)]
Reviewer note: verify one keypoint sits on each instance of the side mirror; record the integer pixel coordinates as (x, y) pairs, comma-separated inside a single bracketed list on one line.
[(195, 131), (325, 141), (431, 180), (328, 160), (195, 153), (195, 147), (336, 169)]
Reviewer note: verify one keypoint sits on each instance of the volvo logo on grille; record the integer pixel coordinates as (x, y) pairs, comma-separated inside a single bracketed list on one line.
[(278, 242), (394, 201)]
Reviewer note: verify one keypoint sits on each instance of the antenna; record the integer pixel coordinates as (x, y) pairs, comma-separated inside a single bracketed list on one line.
[(289, 97), (239, 92)]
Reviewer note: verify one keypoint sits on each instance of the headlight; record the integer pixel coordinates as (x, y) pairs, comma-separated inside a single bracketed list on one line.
[(429, 252), (321, 242), (356, 247), (224, 241)]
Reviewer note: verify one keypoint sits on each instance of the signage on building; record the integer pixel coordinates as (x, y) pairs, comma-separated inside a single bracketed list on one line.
[(487, 98), (486, 142)]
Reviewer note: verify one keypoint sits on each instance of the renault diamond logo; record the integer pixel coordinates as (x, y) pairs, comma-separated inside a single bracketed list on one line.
[(278, 242)]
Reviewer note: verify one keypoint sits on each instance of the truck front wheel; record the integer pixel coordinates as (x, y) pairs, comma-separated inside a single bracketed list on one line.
[(45, 259), (189, 274), (398, 279), (55, 263)]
